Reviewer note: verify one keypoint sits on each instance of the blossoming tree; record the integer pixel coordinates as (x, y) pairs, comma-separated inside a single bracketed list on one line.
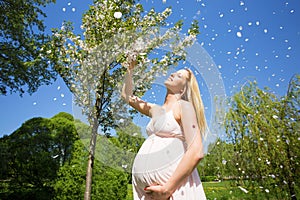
[(264, 132), (93, 65)]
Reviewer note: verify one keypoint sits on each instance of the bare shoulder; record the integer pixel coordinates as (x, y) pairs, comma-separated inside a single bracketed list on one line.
[(186, 110), (186, 106), (181, 110)]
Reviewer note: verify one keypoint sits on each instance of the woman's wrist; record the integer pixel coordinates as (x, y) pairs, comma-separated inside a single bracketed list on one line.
[(129, 70), (167, 190)]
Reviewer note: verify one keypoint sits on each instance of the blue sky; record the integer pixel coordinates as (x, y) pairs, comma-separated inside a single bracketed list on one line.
[(247, 40)]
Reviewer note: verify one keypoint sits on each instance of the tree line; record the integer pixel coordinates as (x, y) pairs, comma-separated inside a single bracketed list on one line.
[(46, 158), (262, 145)]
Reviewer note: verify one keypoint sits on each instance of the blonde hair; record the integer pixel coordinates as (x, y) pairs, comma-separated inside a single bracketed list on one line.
[(192, 94)]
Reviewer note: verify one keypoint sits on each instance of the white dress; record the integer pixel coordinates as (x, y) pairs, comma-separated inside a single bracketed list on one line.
[(158, 158)]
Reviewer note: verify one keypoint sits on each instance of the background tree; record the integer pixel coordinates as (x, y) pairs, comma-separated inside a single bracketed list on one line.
[(129, 139), (265, 133), (23, 65), (45, 159), (109, 183), (115, 32), (290, 115), (65, 134), (71, 176), (35, 152), (32, 162), (216, 165)]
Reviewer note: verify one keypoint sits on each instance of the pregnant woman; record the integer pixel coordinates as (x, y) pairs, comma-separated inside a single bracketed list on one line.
[(165, 166)]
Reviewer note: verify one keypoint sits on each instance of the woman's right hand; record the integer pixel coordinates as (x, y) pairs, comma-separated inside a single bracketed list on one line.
[(132, 64)]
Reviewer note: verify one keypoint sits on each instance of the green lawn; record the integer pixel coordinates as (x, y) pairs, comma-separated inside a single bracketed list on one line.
[(220, 191), (213, 190), (223, 190)]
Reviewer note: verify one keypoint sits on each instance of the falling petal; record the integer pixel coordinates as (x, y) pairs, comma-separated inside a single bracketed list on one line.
[(243, 189), (239, 34)]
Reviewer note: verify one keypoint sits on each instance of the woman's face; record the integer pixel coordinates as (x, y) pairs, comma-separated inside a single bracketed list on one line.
[(177, 81)]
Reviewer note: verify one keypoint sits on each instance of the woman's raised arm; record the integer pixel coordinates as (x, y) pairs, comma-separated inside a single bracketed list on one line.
[(127, 93)]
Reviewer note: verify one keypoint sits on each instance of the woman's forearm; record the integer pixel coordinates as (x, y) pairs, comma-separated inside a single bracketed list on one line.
[(185, 167), (128, 85)]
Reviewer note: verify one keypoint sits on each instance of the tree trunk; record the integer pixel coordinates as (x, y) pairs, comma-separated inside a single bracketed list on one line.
[(98, 107), (89, 169)]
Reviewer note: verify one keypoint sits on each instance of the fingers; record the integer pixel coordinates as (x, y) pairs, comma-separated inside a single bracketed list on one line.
[(129, 63), (154, 192), (147, 191), (132, 64)]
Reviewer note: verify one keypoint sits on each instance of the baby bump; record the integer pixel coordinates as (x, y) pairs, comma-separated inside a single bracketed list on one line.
[(156, 160)]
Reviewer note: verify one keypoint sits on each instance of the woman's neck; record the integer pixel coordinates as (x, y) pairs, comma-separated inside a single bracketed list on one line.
[(171, 98)]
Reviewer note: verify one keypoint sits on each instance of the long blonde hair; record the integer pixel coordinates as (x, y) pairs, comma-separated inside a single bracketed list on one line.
[(192, 94)]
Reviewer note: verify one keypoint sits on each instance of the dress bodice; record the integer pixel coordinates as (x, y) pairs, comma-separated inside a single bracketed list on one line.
[(165, 125)]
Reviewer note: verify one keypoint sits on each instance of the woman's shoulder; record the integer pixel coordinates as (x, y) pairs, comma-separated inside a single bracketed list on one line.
[(180, 107), (186, 108), (185, 104)]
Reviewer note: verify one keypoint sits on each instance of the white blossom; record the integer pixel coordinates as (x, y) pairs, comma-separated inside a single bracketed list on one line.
[(118, 15)]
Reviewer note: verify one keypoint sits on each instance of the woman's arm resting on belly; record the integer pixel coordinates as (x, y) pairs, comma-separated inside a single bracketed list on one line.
[(190, 159)]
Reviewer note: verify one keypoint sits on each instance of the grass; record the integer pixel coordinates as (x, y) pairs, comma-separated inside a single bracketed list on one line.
[(223, 190), (213, 190), (220, 191), (129, 192)]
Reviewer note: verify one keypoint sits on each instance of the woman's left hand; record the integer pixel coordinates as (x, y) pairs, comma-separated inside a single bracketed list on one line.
[(157, 192)]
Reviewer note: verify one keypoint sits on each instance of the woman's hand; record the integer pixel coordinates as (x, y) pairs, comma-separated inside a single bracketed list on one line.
[(132, 64), (157, 192)]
